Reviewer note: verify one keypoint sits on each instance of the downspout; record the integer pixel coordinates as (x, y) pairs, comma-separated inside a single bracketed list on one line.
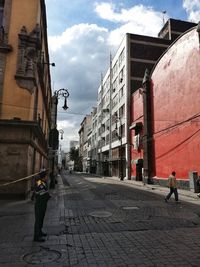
[(147, 137), (128, 108)]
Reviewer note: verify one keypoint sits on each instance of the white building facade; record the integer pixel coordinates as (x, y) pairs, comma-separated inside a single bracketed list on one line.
[(111, 131)]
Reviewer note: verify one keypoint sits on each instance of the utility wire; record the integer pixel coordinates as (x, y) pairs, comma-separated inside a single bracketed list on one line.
[(197, 115)]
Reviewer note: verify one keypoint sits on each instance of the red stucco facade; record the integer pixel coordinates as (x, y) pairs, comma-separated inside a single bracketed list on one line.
[(176, 98), (175, 109)]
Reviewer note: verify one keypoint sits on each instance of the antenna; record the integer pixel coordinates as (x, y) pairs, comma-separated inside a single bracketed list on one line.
[(164, 12)]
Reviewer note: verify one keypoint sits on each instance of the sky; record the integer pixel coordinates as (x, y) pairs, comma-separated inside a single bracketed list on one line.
[(81, 36)]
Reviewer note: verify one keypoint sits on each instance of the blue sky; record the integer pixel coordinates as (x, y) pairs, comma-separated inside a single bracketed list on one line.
[(81, 35), (67, 13)]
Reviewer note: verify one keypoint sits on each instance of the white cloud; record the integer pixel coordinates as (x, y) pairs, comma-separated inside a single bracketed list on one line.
[(138, 19), (72, 34), (192, 7), (78, 53), (65, 124), (81, 53), (73, 59), (70, 133), (106, 11)]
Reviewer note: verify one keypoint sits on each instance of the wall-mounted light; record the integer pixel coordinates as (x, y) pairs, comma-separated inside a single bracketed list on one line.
[(50, 64)]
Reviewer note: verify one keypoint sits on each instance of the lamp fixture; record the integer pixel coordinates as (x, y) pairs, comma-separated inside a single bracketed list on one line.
[(64, 93), (50, 64), (61, 132)]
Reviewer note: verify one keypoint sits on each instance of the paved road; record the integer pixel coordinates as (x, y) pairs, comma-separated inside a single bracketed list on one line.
[(92, 221), (113, 224)]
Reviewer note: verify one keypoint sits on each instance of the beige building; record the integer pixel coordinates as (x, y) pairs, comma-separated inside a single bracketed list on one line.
[(25, 93)]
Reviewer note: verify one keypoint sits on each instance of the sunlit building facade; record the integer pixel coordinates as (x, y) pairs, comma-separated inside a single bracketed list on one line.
[(25, 93)]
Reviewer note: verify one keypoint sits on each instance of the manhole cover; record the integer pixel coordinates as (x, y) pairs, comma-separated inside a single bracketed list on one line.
[(101, 214), (130, 208), (43, 256)]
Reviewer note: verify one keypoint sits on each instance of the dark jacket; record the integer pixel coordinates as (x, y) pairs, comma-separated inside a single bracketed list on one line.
[(41, 191)]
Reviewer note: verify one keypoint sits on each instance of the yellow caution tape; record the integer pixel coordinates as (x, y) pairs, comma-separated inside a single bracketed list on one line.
[(19, 180)]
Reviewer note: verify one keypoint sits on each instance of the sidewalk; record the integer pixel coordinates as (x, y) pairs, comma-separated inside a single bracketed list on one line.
[(184, 195), (17, 248)]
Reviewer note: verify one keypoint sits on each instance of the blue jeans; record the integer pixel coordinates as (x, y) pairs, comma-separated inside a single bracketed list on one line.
[(173, 190)]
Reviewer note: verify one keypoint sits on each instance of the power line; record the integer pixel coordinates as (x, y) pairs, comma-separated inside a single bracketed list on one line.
[(84, 114)]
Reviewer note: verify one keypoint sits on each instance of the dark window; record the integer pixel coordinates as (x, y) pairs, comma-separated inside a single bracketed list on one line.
[(1, 21), (1, 11)]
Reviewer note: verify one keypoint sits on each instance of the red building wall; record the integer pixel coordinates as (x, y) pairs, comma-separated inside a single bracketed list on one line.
[(176, 108)]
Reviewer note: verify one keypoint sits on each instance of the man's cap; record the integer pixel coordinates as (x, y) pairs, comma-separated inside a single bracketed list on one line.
[(42, 174)]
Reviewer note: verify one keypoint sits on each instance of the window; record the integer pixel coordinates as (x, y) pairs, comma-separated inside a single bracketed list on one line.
[(122, 130), (122, 111), (121, 56), (1, 21), (114, 118), (114, 103), (121, 93), (121, 75), (114, 135), (115, 68), (1, 11), (115, 85), (108, 125), (107, 139), (107, 97)]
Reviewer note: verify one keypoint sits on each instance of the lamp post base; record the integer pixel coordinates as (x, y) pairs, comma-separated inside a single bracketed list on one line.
[(52, 181)]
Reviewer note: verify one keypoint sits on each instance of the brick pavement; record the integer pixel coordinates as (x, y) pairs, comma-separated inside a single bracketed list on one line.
[(146, 232)]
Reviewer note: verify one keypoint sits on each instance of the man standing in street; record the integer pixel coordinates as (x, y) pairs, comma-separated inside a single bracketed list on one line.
[(41, 198), (172, 184)]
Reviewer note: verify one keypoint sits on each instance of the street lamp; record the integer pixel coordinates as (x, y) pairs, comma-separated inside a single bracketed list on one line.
[(119, 136), (54, 132), (64, 93), (61, 133)]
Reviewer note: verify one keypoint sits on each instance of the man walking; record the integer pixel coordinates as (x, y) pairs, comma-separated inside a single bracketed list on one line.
[(172, 184)]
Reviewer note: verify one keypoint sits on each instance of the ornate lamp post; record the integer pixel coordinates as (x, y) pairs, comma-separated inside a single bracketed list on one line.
[(54, 133), (61, 133), (119, 136), (64, 93)]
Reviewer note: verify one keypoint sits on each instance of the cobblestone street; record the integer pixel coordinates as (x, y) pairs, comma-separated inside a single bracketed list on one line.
[(94, 221)]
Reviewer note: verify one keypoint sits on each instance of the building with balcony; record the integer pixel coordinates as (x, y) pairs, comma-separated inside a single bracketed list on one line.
[(25, 93)]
